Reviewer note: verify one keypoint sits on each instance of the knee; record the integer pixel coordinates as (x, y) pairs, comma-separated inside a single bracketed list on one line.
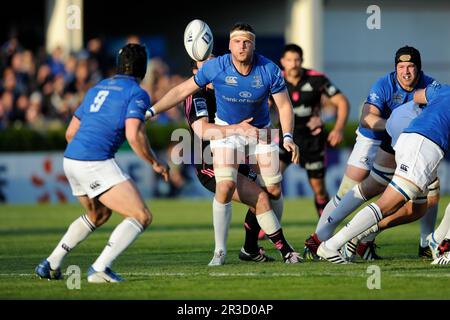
[(99, 216), (226, 187), (274, 191), (263, 202), (320, 191), (144, 217), (433, 200)]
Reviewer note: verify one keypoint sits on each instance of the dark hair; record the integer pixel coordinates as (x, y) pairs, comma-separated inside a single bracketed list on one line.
[(291, 47), (132, 60), (408, 54), (240, 26)]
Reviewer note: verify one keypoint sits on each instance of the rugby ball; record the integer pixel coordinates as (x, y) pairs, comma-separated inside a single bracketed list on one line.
[(198, 40)]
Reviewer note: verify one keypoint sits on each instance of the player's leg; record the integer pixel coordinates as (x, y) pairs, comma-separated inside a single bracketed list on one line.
[(363, 244), (225, 162), (269, 178), (313, 160), (441, 231), (358, 168), (278, 203), (125, 199), (443, 250), (417, 160), (390, 201), (249, 193), (321, 197), (371, 186), (96, 214), (428, 222)]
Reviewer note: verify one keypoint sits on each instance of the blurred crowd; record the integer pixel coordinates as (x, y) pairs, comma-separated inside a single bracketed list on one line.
[(41, 91)]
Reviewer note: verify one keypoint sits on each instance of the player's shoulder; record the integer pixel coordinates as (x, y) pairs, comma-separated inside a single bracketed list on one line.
[(263, 62), (220, 62), (426, 79), (314, 73), (385, 82)]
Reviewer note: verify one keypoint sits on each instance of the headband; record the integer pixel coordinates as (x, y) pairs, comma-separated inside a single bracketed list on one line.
[(250, 36)]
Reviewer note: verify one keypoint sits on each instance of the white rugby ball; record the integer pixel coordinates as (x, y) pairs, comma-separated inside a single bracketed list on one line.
[(198, 40)]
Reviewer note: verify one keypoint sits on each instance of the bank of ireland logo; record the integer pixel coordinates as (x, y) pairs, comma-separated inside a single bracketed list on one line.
[(245, 94)]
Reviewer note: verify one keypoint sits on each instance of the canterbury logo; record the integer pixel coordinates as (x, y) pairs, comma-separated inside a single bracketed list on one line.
[(66, 247), (94, 185), (404, 167)]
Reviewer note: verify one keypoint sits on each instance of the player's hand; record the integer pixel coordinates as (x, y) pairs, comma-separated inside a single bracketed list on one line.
[(162, 169), (315, 124), (335, 137), (246, 129), (290, 146)]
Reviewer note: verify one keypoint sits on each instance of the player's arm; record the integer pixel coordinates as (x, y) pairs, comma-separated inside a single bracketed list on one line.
[(371, 118), (342, 109), (137, 138), (210, 131), (420, 97), (72, 129), (286, 114), (173, 97)]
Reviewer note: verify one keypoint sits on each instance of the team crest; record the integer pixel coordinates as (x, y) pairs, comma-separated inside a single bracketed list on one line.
[(398, 98), (257, 82)]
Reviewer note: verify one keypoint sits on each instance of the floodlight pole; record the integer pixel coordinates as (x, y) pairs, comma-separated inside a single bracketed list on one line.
[(305, 27), (64, 25)]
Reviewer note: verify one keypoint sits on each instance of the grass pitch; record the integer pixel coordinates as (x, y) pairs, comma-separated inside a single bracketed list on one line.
[(169, 261)]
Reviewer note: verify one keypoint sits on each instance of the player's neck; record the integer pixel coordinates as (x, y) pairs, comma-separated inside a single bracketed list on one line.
[(408, 88), (243, 67), (294, 80)]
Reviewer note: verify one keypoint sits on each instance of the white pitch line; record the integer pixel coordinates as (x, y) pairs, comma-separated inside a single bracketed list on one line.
[(254, 274)]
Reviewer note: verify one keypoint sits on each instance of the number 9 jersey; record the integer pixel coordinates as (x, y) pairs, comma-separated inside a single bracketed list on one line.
[(102, 113)]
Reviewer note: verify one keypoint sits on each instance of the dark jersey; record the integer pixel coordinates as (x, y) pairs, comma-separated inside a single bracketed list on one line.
[(306, 95), (200, 105), (203, 105)]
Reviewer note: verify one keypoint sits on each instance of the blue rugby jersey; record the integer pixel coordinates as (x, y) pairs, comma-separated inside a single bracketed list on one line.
[(102, 113), (241, 97)]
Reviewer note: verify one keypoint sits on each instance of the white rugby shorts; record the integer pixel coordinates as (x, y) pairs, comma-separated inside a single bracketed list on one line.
[(364, 152), (92, 178), (417, 159)]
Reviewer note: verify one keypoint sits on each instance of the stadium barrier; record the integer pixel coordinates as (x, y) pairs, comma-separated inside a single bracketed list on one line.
[(38, 177)]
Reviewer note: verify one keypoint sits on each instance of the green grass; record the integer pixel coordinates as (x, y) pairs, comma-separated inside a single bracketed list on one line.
[(169, 261)]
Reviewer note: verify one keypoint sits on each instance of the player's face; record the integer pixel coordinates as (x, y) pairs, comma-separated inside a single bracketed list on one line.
[(291, 63), (242, 49), (407, 74)]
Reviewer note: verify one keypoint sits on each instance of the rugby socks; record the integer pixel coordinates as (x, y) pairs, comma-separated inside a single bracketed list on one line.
[(427, 224), (349, 203), (278, 206), (443, 228), (321, 204), (221, 223), (121, 238), (79, 230), (369, 235), (362, 221), (252, 229), (271, 226), (323, 221)]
